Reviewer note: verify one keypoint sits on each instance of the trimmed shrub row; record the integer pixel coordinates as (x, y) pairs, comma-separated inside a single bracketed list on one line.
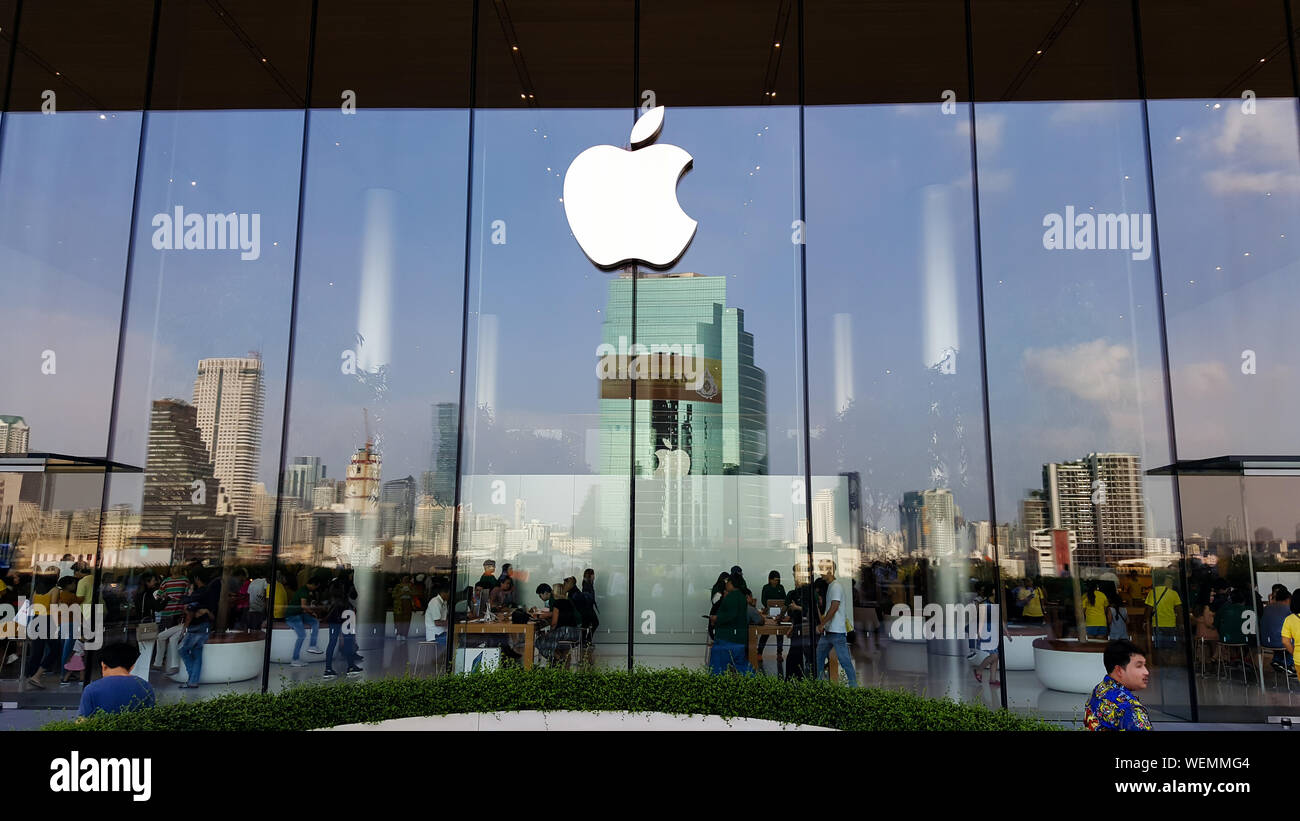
[(676, 691)]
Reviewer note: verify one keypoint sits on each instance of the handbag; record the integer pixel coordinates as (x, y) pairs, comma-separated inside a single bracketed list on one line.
[(146, 631)]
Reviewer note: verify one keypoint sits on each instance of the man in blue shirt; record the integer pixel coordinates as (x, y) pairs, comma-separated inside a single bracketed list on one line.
[(1113, 705), (118, 690)]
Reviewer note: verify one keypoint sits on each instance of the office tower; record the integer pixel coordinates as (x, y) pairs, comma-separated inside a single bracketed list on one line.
[(929, 522), (521, 512), (1100, 498), (701, 410), (14, 435), (776, 527), (442, 481), (229, 396), (323, 495), (397, 508), (181, 491), (301, 477), (1033, 511), (824, 517)]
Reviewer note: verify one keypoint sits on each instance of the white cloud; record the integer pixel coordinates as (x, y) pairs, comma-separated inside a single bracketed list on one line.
[(1097, 371)]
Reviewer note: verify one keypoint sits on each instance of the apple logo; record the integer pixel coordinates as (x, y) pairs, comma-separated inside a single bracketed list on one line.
[(671, 463), (622, 204)]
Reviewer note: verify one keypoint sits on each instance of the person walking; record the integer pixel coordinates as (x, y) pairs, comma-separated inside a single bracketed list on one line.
[(299, 615), (834, 626), (341, 620)]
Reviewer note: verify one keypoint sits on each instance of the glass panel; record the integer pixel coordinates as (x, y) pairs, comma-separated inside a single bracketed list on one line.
[(202, 377), (899, 471), (369, 486), (1226, 165)]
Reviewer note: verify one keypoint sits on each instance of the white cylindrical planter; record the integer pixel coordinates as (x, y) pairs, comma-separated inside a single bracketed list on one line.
[(1068, 670)]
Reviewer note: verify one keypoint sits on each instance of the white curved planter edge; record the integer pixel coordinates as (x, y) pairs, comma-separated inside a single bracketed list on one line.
[(527, 720)]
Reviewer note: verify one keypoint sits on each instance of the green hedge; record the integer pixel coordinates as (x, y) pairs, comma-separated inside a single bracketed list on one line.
[(309, 706)]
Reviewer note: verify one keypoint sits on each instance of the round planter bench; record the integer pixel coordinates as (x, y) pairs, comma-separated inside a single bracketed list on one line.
[(1069, 665), (228, 657), (283, 638), (1018, 645)]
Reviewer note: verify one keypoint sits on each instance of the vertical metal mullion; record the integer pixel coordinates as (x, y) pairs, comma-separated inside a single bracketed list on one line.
[(809, 625), (123, 316), (293, 339), (631, 445), (1164, 353), (464, 335), (984, 364)]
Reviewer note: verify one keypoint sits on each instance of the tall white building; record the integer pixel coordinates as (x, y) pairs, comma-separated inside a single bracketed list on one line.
[(823, 507), (14, 433), (230, 394)]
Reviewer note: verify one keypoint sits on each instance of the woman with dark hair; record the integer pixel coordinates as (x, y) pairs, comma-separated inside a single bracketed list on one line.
[(564, 620), (1096, 615)]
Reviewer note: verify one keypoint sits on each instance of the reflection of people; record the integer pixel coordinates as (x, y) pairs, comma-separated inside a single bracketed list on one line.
[(1291, 632), (835, 625), (199, 614), (730, 629), (1113, 705), (1096, 616), (1165, 601), (299, 615), (799, 604), (118, 690), (564, 620), (257, 602), (1032, 611), (1270, 627), (403, 603), (337, 617)]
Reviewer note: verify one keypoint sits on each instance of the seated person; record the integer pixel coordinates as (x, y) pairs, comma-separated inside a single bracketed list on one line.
[(1203, 623), (1271, 619), (1230, 620), (503, 595), (118, 690), (755, 617), (564, 623)]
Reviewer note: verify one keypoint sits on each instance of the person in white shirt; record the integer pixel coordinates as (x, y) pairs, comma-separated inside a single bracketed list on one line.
[(835, 625), (257, 602), (436, 614)]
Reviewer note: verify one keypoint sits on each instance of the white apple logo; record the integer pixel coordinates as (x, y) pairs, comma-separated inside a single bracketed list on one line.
[(671, 463), (622, 204)]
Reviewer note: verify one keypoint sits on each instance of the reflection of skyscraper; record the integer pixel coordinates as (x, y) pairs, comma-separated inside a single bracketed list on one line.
[(1101, 499), (929, 522), (397, 508), (362, 492), (229, 396), (715, 415), (442, 484), (300, 478), (14, 435), (824, 517), (180, 489)]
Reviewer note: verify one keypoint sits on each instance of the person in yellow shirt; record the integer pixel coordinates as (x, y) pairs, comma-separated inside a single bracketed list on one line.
[(1033, 603), (281, 601), (1167, 604), (1096, 616), (1291, 634)]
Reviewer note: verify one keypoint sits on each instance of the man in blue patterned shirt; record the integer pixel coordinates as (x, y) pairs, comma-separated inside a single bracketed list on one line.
[(1113, 705)]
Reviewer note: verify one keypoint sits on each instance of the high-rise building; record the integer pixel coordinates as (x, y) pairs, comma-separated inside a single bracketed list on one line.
[(1100, 498), (397, 508), (443, 458), (929, 522), (229, 395), (824, 517), (301, 477), (711, 421), (362, 491), (14, 435), (181, 491)]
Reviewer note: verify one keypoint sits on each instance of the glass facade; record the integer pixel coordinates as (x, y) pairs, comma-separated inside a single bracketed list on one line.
[(983, 322)]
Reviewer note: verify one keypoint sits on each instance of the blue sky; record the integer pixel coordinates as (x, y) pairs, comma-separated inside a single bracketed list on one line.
[(1073, 353)]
